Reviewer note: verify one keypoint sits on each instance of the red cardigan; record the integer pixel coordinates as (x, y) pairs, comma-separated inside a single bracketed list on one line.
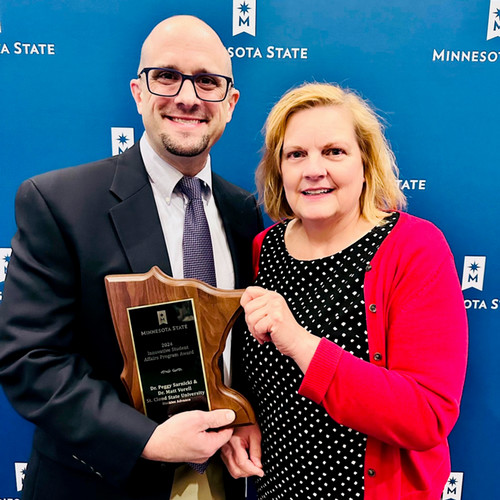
[(406, 399)]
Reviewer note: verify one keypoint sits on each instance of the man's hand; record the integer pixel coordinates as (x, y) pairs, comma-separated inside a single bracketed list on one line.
[(185, 437), (242, 453)]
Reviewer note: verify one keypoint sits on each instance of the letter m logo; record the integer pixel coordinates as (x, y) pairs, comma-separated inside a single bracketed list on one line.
[(244, 17)]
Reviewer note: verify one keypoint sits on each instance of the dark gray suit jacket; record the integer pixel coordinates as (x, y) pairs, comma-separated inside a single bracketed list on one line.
[(60, 362)]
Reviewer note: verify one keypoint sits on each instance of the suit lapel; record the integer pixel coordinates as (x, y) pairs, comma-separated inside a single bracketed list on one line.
[(135, 217), (231, 221)]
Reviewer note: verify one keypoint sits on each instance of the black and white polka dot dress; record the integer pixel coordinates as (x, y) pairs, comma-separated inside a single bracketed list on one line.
[(305, 453)]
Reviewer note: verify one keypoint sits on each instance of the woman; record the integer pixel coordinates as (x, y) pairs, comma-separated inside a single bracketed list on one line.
[(355, 353)]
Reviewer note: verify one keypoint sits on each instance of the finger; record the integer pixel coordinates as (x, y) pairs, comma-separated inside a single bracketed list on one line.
[(219, 439), (253, 307), (234, 470), (250, 469), (254, 450), (246, 465), (245, 298), (254, 317), (257, 301), (227, 456), (251, 293), (219, 418), (262, 330), (226, 453), (239, 465), (260, 334)]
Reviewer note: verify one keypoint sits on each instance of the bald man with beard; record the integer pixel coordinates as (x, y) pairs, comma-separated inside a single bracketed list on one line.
[(60, 362)]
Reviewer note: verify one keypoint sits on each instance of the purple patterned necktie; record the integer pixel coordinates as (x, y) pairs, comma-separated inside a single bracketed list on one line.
[(197, 249), (196, 243)]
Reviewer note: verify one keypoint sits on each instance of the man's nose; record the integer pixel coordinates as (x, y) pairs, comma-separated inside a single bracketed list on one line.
[(187, 94)]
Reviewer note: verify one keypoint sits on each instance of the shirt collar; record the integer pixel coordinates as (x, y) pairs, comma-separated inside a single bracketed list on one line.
[(165, 177)]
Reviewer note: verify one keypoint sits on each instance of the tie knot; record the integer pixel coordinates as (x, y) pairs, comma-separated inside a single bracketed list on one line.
[(191, 187)]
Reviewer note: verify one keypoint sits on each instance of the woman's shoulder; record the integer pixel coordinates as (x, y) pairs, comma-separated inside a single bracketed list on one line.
[(257, 245), (259, 239), (413, 228), (414, 237), (414, 222)]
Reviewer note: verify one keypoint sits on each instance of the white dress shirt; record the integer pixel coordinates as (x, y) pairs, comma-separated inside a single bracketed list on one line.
[(171, 205)]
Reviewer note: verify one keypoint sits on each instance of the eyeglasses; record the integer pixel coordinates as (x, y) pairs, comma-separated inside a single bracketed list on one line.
[(166, 82)]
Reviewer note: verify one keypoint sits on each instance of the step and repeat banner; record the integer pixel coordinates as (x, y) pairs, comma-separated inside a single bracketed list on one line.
[(430, 68)]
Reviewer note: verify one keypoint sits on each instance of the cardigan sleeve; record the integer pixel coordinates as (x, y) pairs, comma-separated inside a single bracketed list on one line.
[(408, 395)]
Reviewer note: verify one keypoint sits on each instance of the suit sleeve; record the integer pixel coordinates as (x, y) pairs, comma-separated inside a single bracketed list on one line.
[(408, 397), (42, 371)]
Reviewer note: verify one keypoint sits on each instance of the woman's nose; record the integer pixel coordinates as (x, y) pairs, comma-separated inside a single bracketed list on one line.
[(314, 167)]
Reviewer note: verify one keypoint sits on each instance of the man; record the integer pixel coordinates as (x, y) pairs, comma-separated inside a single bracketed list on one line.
[(60, 362)]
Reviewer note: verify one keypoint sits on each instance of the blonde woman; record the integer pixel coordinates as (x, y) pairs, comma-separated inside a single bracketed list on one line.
[(356, 347)]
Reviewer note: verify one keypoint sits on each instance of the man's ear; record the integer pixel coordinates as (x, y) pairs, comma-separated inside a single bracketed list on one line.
[(231, 101), (135, 88)]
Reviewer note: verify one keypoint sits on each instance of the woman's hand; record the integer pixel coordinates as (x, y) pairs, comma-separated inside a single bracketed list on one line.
[(269, 319), (242, 453)]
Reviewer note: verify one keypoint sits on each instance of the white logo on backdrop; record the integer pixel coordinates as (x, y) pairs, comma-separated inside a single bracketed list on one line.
[(244, 21), (26, 48), (473, 275), (122, 138), (20, 473), (453, 488), (494, 20), (4, 263), (413, 184), (244, 16), (450, 55)]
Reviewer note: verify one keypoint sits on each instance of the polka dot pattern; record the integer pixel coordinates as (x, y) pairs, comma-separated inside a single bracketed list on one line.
[(306, 454)]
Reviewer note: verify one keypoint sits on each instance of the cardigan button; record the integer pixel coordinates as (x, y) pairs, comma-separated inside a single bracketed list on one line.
[(377, 356), (373, 308), (371, 472)]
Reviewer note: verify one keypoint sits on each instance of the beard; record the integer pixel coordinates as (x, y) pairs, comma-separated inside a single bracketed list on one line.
[(187, 150)]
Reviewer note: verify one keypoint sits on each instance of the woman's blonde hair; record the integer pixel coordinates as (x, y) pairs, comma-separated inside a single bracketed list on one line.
[(381, 191)]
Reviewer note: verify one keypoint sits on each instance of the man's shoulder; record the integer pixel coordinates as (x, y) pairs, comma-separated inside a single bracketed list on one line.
[(75, 173), (236, 205), (222, 185), (95, 173)]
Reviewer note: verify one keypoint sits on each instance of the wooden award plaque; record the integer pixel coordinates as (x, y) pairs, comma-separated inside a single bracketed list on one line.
[(172, 333)]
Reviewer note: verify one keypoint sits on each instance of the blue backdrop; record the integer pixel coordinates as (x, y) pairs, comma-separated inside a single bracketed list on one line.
[(431, 69)]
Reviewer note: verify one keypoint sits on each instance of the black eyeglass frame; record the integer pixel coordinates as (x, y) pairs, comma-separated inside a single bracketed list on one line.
[(184, 77)]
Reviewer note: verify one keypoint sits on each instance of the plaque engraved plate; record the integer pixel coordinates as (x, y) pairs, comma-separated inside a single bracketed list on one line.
[(168, 357), (171, 334)]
